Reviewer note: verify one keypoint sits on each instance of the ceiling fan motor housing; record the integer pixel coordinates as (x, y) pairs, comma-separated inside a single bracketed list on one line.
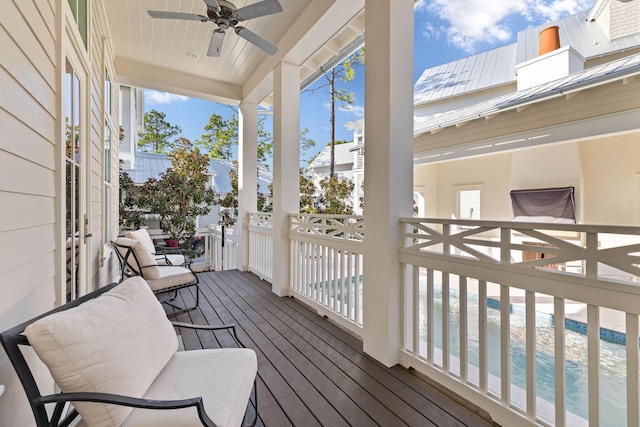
[(225, 17)]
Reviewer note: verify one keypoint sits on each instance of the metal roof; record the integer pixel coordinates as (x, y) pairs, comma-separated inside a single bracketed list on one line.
[(576, 31), (484, 70), (150, 165), (343, 156), (606, 73), (497, 67)]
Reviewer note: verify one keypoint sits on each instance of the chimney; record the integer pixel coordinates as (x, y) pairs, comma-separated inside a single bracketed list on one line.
[(549, 40), (552, 63)]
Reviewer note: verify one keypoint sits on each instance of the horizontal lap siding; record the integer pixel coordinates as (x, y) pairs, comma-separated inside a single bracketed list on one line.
[(28, 114)]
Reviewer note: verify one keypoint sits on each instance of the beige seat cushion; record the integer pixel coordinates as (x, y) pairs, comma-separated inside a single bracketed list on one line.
[(145, 258), (223, 377), (171, 276), (117, 343)]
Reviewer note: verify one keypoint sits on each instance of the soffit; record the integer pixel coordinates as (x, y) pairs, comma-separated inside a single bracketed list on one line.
[(153, 53)]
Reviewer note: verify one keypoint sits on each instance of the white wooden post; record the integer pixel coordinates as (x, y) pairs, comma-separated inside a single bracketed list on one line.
[(286, 164), (247, 177), (389, 169)]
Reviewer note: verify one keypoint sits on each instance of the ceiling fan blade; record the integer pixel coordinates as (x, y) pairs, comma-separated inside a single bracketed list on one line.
[(265, 7), (215, 45), (177, 15), (213, 4), (252, 37)]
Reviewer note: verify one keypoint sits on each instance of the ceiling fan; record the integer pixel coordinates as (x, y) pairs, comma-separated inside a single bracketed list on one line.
[(225, 15)]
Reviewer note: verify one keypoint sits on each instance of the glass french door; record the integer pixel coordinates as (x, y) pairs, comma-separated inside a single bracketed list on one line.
[(76, 227)]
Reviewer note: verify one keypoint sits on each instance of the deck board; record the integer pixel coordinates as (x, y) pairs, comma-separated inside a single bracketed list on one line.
[(311, 372)]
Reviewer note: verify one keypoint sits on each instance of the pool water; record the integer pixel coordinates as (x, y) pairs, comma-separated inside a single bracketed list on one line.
[(612, 356)]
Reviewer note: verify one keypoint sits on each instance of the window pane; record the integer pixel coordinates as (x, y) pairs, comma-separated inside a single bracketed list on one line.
[(107, 152), (469, 204), (68, 105)]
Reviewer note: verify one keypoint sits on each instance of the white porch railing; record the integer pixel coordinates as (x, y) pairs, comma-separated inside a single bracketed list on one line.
[(481, 304), (261, 244), (222, 248), (326, 265)]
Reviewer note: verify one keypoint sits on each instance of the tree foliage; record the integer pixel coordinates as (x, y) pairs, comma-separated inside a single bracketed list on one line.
[(180, 195), (221, 136), (130, 215), (307, 192), (334, 197), (158, 133), (229, 202)]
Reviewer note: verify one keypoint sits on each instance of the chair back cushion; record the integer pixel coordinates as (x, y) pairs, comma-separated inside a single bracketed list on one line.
[(117, 343), (142, 235), (145, 258)]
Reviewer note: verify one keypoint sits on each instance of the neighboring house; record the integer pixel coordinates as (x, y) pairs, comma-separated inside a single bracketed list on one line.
[(345, 167), (511, 119), (150, 165)]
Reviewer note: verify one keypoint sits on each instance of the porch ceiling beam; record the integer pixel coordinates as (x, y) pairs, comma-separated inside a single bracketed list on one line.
[(142, 75)]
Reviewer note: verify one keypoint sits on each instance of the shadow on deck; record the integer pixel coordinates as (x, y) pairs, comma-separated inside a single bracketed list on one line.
[(310, 372)]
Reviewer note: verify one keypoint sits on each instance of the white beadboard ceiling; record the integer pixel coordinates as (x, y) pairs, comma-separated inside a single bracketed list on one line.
[(153, 53)]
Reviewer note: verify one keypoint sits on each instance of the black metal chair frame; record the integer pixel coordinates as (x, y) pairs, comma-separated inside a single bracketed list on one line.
[(127, 270), (13, 339)]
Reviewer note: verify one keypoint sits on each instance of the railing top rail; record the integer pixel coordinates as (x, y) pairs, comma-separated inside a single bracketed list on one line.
[(593, 228), (297, 215)]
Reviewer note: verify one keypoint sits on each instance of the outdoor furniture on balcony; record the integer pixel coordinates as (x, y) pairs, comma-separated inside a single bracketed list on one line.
[(136, 260), (163, 256), (114, 355)]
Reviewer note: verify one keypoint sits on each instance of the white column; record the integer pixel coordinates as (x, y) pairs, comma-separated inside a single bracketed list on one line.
[(247, 177), (389, 169), (286, 164)]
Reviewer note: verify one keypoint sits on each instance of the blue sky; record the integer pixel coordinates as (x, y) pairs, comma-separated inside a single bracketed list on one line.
[(442, 34)]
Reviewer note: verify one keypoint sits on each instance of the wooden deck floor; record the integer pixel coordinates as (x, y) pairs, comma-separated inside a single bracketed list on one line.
[(310, 372)]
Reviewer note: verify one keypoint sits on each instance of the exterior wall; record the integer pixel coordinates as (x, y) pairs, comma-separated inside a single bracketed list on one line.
[(491, 174), (612, 180), (624, 18), (604, 171), (29, 72), (35, 36)]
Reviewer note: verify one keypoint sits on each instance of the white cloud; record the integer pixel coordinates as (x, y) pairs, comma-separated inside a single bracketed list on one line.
[(469, 23), (153, 97), (356, 110)]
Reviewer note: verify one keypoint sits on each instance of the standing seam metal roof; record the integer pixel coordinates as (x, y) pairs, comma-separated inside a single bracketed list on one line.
[(150, 165)]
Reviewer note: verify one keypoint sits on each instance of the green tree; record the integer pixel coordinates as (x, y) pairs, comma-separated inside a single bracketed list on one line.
[(229, 201), (344, 72), (334, 198), (222, 135), (180, 195), (307, 192), (158, 133), (130, 215)]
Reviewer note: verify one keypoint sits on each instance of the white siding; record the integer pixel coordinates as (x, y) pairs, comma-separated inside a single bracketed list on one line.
[(31, 218), (28, 111)]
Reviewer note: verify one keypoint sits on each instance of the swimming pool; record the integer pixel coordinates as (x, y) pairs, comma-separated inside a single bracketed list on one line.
[(612, 359)]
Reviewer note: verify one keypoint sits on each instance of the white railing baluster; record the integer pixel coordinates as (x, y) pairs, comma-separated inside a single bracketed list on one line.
[(505, 345), (593, 370), (530, 326), (631, 321), (464, 353), (559, 362), (415, 282), (446, 356), (483, 343), (431, 315)]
